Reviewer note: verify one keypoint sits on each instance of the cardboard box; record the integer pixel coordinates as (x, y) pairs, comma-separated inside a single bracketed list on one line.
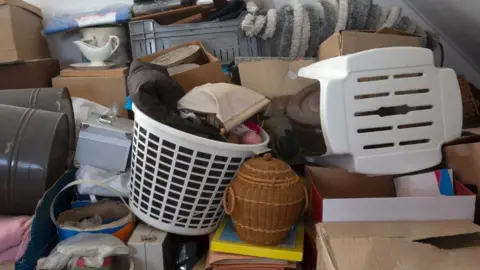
[(338, 195), (464, 160), (21, 32), (347, 42), (28, 74), (151, 248), (209, 71), (274, 78), (104, 90), (391, 245)]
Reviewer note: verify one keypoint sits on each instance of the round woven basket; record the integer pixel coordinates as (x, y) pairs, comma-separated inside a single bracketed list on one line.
[(265, 201), (470, 106)]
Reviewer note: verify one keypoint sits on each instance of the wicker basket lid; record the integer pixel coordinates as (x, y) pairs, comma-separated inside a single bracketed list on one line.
[(267, 170)]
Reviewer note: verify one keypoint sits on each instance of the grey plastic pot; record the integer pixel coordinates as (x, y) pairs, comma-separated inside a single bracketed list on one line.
[(49, 99), (33, 153)]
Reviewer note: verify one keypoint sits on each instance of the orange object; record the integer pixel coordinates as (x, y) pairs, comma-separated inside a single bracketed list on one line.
[(125, 232)]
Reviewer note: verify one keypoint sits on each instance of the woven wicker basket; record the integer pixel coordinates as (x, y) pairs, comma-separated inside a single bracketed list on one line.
[(265, 201), (471, 110)]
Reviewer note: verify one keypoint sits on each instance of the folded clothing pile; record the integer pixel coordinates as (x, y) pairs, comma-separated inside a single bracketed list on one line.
[(296, 30), (14, 237), (155, 93)]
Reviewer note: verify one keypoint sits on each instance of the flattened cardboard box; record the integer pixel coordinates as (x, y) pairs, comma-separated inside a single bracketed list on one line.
[(391, 246), (21, 32), (209, 71), (347, 42)]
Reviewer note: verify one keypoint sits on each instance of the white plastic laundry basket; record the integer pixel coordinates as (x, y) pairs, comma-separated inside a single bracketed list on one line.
[(386, 111), (178, 179)]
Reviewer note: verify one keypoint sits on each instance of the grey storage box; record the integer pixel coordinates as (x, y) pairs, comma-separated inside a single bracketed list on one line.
[(103, 145), (223, 39), (151, 248)]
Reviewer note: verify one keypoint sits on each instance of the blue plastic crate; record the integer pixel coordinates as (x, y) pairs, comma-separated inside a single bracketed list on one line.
[(225, 40)]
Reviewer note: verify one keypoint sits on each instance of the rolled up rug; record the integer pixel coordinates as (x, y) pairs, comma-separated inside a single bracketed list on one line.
[(271, 25), (374, 15), (358, 14), (297, 29), (330, 9), (392, 17), (282, 38), (306, 30), (316, 17)]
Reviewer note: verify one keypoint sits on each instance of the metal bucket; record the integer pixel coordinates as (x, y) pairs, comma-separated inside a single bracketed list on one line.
[(33, 153), (48, 99)]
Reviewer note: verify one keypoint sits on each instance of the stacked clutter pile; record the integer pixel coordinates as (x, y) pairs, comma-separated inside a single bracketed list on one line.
[(267, 167)]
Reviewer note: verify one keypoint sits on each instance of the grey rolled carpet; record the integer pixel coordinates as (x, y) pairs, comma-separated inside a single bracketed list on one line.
[(330, 12), (342, 18), (282, 39), (374, 15), (393, 16), (304, 41), (358, 14), (316, 16), (297, 29)]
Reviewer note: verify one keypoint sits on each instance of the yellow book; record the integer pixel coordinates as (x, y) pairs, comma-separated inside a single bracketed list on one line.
[(226, 240)]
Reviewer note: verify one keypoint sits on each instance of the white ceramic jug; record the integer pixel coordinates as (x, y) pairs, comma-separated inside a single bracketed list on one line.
[(98, 36), (98, 55)]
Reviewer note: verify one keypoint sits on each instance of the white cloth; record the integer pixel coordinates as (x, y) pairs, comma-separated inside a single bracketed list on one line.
[(232, 104)]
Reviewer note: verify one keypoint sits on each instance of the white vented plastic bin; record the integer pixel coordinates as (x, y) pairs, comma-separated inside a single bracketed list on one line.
[(178, 179), (386, 111), (224, 40)]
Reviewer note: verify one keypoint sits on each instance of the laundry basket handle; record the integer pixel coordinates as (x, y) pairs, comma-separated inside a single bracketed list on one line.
[(306, 198), (229, 203), (83, 181)]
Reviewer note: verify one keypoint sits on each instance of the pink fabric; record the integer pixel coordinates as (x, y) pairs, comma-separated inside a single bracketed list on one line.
[(14, 237)]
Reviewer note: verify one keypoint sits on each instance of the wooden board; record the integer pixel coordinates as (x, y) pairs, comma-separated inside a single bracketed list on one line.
[(113, 72), (173, 15)]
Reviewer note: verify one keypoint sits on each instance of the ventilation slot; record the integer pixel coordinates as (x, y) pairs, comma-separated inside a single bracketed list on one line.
[(395, 110), (385, 94), (414, 142), (412, 92), (371, 79), (415, 125), (407, 75), (376, 146), (376, 129)]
